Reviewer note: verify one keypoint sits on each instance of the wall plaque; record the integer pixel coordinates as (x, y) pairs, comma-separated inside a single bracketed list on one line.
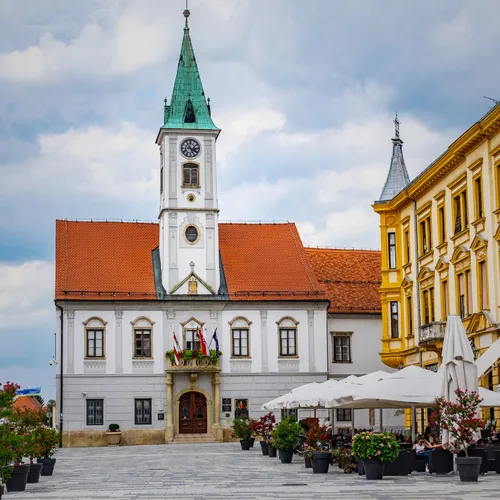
[(161, 416)]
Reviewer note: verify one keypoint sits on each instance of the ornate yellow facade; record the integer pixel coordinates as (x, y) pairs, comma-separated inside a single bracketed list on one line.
[(440, 240)]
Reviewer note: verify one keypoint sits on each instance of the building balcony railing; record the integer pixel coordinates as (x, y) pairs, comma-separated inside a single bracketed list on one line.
[(196, 364), (432, 332)]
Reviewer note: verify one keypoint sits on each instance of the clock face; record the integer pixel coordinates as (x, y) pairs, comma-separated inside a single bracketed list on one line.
[(190, 148)]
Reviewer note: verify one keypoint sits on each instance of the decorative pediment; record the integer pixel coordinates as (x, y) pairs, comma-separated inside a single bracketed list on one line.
[(459, 254), (442, 265), (192, 323), (192, 280), (424, 273), (479, 322), (406, 283), (478, 243), (497, 234)]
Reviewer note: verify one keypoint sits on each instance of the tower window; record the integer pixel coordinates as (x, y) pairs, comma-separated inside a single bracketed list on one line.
[(190, 175), (192, 234), (189, 115), (392, 250)]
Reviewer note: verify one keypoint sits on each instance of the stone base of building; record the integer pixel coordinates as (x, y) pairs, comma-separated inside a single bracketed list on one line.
[(84, 439)]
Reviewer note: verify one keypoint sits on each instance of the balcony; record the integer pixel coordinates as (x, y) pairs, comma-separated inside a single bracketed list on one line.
[(432, 332), (193, 365)]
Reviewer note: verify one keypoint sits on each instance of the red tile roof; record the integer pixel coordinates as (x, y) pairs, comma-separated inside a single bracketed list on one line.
[(27, 402), (352, 278), (113, 261)]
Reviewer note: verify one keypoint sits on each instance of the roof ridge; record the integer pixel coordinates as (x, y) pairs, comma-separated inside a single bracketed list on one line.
[(110, 221), (374, 250)]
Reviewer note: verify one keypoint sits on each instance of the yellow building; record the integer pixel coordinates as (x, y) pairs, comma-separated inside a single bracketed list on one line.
[(440, 240)]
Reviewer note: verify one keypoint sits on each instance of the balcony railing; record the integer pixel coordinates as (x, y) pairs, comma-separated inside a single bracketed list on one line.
[(194, 365), (432, 332)]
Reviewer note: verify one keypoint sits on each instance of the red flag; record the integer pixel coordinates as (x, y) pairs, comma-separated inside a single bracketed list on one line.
[(203, 344), (177, 349)]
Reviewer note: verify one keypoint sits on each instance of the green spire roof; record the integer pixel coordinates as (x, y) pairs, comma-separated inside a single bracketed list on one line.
[(188, 107)]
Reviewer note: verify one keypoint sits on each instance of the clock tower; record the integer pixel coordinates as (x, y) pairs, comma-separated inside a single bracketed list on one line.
[(189, 248)]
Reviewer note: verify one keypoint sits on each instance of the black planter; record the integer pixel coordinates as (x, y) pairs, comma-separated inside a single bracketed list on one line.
[(497, 461), (373, 469), (34, 474), (264, 446), (286, 456), (245, 444), (1, 491), (48, 465), (307, 461), (252, 441), (320, 462), (468, 468), (272, 450), (18, 478), (440, 461)]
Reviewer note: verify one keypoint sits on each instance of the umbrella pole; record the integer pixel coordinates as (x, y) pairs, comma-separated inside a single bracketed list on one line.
[(381, 419), (413, 424), (352, 424), (314, 412)]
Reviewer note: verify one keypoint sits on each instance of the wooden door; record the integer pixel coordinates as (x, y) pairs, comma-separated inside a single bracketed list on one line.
[(192, 413)]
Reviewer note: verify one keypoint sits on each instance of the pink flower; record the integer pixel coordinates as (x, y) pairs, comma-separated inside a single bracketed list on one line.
[(378, 453)]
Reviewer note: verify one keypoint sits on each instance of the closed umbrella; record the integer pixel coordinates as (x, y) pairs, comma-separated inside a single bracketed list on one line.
[(458, 368)]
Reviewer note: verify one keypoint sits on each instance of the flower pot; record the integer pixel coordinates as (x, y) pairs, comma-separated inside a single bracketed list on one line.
[(308, 461), (34, 473), (264, 446), (48, 465), (468, 468), (1, 491), (286, 456), (272, 450), (18, 478), (252, 441), (245, 444), (113, 438), (320, 462), (373, 469)]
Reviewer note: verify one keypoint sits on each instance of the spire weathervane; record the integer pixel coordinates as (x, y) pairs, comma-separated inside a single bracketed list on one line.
[(186, 12), (396, 125)]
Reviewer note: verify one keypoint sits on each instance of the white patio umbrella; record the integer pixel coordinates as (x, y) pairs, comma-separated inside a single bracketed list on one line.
[(458, 368), (281, 402)]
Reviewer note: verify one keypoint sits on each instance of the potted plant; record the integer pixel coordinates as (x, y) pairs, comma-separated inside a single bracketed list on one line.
[(243, 431), (285, 438), (348, 463), (113, 435), (460, 420), (374, 449), (49, 442), (263, 428), (8, 438), (317, 439)]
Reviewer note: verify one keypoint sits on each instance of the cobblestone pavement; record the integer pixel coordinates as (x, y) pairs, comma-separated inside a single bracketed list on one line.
[(220, 471)]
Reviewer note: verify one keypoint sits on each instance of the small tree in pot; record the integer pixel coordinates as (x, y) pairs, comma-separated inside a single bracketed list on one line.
[(49, 443), (316, 446), (285, 438), (374, 449), (243, 431), (8, 438), (262, 428), (460, 420)]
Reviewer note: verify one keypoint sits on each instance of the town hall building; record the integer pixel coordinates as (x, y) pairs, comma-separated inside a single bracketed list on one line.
[(136, 302)]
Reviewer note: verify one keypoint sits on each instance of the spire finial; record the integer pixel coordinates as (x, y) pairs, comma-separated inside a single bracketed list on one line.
[(396, 125), (186, 12)]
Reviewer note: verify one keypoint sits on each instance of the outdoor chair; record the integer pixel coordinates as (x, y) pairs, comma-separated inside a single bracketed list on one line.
[(440, 461), (491, 457)]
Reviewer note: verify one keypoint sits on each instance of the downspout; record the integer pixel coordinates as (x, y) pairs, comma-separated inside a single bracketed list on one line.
[(61, 374)]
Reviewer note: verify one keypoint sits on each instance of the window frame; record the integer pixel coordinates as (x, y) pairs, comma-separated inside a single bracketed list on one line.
[(94, 400), (94, 324), (394, 321), (196, 343), (290, 413), (142, 331), (346, 415), (478, 197), (190, 166), (290, 325), (497, 186), (407, 247), (143, 400), (445, 299), (441, 224), (428, 305), (459, 204), (341, 336), (240, 330), (409, 315), (425, 235), (391, 250), (482, 285)]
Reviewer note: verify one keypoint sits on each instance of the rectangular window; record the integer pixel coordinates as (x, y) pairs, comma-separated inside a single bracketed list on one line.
[(161, 180), (344, 415), (407, 246), (478, 194), (445, 311), (143, 412), (460, 212), (425, 235), (428, 306), (142, 343), (95, 344), (483, 286), (342, 348), (468, 283), (394, 320), (240, 342), (409, 312), (95, 411), (290, 413), (190, 177), (497, 169), (288, 342), (191, 340), (442, 224), (392, 250), (464, 294)]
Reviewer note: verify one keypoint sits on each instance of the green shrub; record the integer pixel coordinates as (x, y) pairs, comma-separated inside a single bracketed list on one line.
[(381, 446), (242, 427), (286, 436), (113, 428)]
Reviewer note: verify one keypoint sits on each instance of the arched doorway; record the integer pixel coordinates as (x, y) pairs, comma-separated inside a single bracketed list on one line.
[(192, 413)]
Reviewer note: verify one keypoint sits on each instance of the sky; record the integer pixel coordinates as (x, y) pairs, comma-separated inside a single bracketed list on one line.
[(304, 91)]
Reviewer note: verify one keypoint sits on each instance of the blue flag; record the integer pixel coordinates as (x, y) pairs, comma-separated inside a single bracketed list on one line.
[(214, 337)]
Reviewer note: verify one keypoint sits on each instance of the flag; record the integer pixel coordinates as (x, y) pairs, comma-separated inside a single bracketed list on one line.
[(214, 337), (203, 344), (177, 349)]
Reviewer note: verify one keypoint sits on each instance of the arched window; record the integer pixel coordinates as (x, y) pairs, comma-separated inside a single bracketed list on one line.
[(142, 334), (190, 335), (95, 338), (190, 175), (287, 337), (240, 337)]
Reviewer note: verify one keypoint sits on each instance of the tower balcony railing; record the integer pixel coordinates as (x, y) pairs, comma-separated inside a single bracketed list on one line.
[(192, 364), (432, 332)]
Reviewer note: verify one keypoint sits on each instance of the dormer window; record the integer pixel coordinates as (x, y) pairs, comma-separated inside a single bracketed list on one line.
[(190, 175)]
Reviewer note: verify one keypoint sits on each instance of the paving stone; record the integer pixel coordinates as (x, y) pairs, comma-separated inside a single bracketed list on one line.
[(220, 471)]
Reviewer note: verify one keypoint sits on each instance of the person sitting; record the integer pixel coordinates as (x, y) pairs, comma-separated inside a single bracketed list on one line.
[(422, 448)]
